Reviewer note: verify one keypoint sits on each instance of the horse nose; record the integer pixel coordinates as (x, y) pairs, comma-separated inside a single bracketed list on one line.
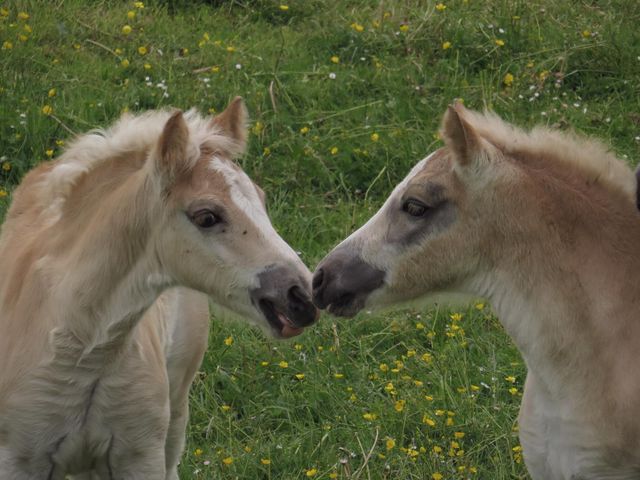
[(343, 281), (317, 286), (283, 292), (302, 310)]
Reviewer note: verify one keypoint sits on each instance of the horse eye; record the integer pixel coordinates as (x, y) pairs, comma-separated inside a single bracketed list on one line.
[(205, 219), (414, 207)]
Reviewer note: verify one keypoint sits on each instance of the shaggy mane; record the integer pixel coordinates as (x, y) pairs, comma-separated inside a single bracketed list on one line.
[(130, 134), (581, 156)]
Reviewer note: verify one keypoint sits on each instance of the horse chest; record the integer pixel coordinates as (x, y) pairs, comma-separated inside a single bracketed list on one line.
[(66, 418), (558, 445)]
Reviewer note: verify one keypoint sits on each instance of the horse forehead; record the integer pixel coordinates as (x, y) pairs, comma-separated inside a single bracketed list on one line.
[(434, 159), (242, 191)]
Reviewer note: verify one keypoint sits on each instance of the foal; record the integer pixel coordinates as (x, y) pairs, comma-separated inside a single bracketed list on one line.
[(99, 339), (545, 226)]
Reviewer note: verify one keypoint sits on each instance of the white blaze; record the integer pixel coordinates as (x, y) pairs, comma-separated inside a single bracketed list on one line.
[(373, 229), (245, 196)]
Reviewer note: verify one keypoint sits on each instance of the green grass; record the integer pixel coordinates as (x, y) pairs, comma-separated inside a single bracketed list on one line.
[(311, 148)]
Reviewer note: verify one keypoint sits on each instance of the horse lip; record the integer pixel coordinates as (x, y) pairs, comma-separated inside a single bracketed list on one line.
[(277, 320)]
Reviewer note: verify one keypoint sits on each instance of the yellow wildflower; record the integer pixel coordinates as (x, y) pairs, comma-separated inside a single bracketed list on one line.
[(138, 5), (441, 7), (508, 79), (23, 16), (335, 59), (23, 38), (369, 416), (3, 192), (428, 421), (390, 443), (265, 461), (458, 435), (338, 375), (384, 367), (4, 12), (357, 27), (131, 14), (49, 153), (479, 306), (510, 379), (197, 452), (47, 110), (333, 475), (225, 408), (283, 364), (7, 45), (312, 472), (228, 341), (304, 130), (399, 405), (456, 317), (231, 49), (446, 45), (300, 376), (227, 461), (264, 364), (124, 63), (284, 8), (334, 150), (437, 476), (147, 66), (375, 137), (586, 33), (6, 166), (513, 391), (404, 27), (499, 43), (126, 29), (142, 50)]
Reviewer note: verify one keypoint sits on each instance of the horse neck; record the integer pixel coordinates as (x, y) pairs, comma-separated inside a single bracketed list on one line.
[(111, 275), (569, 305)]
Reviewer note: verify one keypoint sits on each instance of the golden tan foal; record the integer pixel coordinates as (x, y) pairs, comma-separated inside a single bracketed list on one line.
[(99, 338), (545, 226)]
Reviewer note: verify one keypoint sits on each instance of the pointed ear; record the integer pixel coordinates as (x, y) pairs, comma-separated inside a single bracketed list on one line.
[(172, 151), (459, 136), (233, 123)]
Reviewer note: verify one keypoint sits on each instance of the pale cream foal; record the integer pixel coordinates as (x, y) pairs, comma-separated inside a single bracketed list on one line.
[(544, 225), (99, 339)]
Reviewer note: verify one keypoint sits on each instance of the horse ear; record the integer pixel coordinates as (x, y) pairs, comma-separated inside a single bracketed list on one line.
[(459, 136), (172, 155), (233, 123)]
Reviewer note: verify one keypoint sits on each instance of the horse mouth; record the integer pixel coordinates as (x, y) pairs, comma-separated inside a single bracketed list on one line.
[(347, 305), (279, 322)]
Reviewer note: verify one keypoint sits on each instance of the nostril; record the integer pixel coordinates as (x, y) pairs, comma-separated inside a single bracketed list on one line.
[(297, 296), (317, 279)]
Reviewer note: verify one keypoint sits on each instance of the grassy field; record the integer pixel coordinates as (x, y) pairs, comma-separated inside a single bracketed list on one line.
[(344, 96)]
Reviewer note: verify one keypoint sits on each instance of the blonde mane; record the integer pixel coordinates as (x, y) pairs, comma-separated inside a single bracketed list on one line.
[(582, 156), (131, 134)]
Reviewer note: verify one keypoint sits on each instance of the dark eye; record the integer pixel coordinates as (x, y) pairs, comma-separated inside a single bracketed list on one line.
[(414, 207), (205, 219)]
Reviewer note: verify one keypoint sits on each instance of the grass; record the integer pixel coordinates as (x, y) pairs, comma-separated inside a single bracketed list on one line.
[(329, 139)]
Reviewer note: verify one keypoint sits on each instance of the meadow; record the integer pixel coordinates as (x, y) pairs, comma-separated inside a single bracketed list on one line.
[(344, 98)]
